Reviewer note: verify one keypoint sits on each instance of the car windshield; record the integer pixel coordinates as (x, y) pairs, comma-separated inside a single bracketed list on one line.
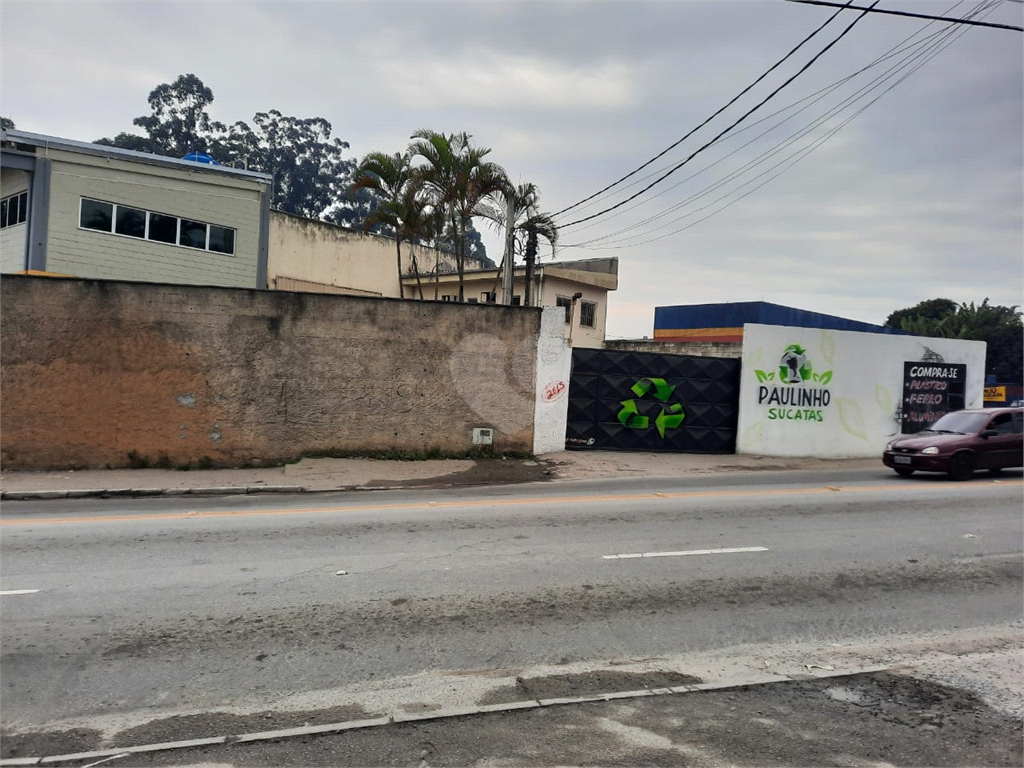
[(960, 422)]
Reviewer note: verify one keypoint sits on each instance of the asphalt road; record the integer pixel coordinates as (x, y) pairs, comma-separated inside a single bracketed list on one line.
[(122, 614)]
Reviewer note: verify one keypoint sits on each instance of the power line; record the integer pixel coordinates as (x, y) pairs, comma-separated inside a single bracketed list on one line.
[(736, 98), (771, 95), (872, 9), (935, 46)]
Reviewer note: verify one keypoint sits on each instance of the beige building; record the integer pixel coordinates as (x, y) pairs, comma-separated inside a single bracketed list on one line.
[(315, 256), (90, 211), (320, 257), (580, 286)]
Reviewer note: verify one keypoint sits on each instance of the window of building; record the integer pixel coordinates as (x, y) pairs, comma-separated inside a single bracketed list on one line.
[(14, 210), (472, 301), (159, 227), (192, 234), (489, 297), (130, 222), (448, 297), (163, 229), (565, 301), (588, 311), (517, 301), (97, 215)]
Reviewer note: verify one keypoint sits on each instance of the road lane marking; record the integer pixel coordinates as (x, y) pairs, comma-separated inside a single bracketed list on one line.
[(722, 551), (18, 591), (477, 503)]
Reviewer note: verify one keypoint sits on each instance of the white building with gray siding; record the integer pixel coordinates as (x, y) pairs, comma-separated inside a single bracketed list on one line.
[(85, 210)]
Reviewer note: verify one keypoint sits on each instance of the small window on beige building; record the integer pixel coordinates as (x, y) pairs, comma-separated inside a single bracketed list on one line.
[(588, 311)]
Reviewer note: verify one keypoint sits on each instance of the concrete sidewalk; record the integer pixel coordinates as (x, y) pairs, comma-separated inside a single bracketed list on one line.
[(321, 475)]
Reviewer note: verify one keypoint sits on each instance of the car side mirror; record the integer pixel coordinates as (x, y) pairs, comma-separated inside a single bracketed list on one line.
[(987, 433)]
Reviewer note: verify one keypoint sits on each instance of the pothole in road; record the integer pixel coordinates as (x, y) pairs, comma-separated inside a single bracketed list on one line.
[(586, 684)]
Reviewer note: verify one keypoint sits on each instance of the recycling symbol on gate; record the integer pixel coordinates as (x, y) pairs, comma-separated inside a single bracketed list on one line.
[(671, 415)]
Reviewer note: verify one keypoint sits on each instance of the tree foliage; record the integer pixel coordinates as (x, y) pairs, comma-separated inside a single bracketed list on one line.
[(999, 326), (311, 174), (457, 179), (6, 124)]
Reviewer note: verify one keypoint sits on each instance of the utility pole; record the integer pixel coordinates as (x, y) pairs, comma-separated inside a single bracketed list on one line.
[(531, 254), (508, 263)]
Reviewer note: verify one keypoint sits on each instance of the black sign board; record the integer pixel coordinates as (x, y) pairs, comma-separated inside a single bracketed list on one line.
[(931, 390)]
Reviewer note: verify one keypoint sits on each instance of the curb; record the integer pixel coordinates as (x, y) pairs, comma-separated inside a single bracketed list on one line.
[(435, 715), (111, 493)]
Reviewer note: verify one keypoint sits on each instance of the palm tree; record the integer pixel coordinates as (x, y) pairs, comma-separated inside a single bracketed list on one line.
[(527, 222), (458, 180), (391, 177)]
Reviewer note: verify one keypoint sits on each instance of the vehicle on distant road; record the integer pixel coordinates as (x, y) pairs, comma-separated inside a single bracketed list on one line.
[(960, 443)]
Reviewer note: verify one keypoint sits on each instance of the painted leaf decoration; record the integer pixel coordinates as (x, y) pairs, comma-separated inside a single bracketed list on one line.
[(883, 398), (828, 347), (761, 375), (825, 377), (851, 418), (754, 435)]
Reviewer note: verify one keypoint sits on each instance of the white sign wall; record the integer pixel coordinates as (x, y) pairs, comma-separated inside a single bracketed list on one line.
[(834, 394)]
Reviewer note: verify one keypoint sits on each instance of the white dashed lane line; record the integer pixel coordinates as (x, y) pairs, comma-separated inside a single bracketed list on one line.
[(18, 591), (725, 551)]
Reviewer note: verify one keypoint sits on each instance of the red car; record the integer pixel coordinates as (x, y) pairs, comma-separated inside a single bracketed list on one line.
[(961, 442)]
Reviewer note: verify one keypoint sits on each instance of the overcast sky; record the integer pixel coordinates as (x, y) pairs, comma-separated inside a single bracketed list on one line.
[(916, 197)]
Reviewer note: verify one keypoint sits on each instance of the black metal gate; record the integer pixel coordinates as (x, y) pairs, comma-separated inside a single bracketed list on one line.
[(641, 401)]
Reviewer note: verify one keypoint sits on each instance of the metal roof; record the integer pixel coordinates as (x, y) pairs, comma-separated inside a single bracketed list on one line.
[(84, 147)]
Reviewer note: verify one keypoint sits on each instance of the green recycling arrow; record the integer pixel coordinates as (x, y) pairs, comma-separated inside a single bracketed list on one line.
[(629, 416), (662, 389), (669, 418)]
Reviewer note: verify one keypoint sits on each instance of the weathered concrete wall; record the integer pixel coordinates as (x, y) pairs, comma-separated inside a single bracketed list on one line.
[(697, 348), (324, 254), (91, 371)]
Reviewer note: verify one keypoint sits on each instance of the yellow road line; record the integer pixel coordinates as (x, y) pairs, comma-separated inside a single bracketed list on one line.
[(710, 494)]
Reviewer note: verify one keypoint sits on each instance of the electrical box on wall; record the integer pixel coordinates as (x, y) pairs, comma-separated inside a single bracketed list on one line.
[(483, 436)]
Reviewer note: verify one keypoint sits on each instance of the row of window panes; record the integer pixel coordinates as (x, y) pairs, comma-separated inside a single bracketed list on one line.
[(158, 227), (486, 297), (14, 210)]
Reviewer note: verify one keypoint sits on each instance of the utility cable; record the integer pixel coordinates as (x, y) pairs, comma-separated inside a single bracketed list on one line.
[(788, 162), (736, 98), (832, 112), (910, 15), (747, 114)]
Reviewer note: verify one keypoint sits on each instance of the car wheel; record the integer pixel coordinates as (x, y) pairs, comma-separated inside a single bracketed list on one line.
[(961, 467), (904, 471)]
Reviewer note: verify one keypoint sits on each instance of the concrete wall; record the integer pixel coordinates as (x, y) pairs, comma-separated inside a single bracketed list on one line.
[(696, 348), (200, 195), (855, 382), (554, 363), (93, 370)]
